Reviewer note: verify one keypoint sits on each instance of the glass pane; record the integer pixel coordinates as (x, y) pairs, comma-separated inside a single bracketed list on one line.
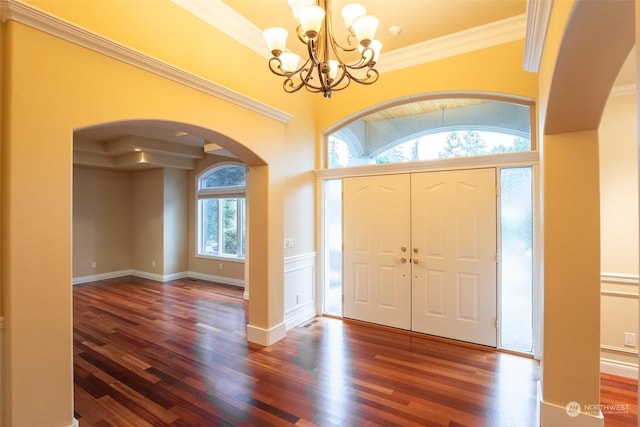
[(242, 216), (229, 226), (516, 259), (431, 129), (453, 144), (226, 176), (333, 247), (209, 236), (339, 155)]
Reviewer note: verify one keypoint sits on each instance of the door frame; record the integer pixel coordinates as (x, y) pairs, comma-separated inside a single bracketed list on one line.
[(499, 161)]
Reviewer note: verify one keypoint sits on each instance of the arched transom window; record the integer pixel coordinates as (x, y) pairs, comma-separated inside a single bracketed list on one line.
[(433, 129)]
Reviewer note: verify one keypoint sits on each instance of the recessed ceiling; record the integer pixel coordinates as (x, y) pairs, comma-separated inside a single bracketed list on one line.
[(143, 145)]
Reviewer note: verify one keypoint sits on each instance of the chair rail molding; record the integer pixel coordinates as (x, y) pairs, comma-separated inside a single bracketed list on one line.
[(619, 313)]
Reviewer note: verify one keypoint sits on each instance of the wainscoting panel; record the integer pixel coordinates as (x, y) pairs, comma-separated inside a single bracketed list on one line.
[(299, 289), (619, 316)]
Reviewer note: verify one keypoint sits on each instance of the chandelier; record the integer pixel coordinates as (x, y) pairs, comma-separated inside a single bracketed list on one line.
[(326, 69)]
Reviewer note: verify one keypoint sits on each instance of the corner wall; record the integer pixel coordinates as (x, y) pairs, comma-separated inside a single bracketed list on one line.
[(174, 222), (619, 235), (101, 222)]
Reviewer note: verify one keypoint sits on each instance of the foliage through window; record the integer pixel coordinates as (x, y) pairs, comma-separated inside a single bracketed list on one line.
[(221, 211), (432, 129)]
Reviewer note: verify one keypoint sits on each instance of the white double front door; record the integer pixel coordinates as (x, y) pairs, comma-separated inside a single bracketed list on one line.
[(420, 252)]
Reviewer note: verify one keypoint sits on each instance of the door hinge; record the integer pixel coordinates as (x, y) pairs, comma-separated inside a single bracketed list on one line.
[(497, 258)]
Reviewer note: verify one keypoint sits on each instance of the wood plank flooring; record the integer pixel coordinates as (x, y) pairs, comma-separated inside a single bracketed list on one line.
[(175, 354)]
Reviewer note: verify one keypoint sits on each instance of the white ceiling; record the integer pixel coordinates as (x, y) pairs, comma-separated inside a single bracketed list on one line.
[(146, 145)]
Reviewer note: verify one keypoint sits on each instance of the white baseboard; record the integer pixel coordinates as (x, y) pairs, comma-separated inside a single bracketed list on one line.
[(616, 367), (266, 337), (75, 423), (300, 314), (551, 415), (218, 279), (102, 276), (159, 277)]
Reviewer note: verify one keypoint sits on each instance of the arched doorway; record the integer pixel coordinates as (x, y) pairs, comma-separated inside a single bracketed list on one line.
[(574, 87), (138, 146)]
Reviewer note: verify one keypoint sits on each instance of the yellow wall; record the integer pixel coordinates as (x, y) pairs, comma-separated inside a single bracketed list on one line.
[(53, 88), (572, 269)]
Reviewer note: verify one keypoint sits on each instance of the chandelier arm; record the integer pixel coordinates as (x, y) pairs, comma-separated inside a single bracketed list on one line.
[(335, 45), (275, 66), (305, 75), (312, 49), (340, 77), (371, 77), (301, 35)]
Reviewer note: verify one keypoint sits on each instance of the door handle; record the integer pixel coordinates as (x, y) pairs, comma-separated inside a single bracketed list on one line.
[(416, 261), (403, 260)]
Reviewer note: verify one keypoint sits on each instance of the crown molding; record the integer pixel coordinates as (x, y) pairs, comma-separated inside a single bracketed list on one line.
[(481, 37), (227, 20), (538, 14), (13, 10), (219, 15)]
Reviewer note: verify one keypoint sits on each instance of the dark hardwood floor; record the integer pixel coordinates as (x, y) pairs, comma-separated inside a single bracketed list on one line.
[(175, 354)]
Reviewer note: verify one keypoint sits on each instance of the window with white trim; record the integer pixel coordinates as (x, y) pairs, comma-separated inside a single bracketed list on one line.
[(432, 129), (221, 211)]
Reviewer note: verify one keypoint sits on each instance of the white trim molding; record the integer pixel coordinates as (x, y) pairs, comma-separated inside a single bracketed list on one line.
[(551, 415), (159, 277), (538, 14), (618, 292), (481, 37), (217, 279), (266, 337), (299, 289), (618, 278), (102, 276), (619, 368), (13, 10), (236, 26)]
